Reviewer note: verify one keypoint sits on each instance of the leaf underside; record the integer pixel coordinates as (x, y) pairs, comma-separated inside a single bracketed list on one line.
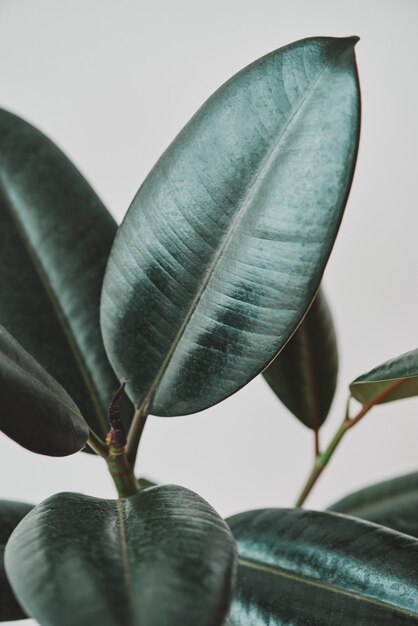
[(163, 556), (311, 567), (223, 248), (11, 513), (304, 374), (389, 374), (392, 503), (35, 410), (55, 237)]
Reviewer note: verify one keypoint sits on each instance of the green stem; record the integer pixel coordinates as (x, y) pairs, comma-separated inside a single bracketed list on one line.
[(97, 445), (321, 462), (122, 473), (135, 431)]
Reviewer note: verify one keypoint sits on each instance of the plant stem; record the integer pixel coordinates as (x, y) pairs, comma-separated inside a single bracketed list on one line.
[(122, 473), (322, 460), (97, 445), (320, 463), (136, 430)]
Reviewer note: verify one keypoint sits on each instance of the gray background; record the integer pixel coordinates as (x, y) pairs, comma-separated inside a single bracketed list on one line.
[(112, 82)]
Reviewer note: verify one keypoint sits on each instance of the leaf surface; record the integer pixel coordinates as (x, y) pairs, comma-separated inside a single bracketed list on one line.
[(163, 556), (392, 503), (304, 374), (55, 237), (389, 375), (35, 410), (11, 513), (223, 248), (321, 568)]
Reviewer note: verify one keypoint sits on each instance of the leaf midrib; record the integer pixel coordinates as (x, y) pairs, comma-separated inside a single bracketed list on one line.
[(277, 571), (230, 231), (126, 568), (60, 315)]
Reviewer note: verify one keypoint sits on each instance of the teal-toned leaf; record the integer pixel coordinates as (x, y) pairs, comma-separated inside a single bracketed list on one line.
[(389, 377), (35, 411), (223, 248), (11, 513), (392, 503), (55, 237), (144, 483), (320, 568), (304, 374), (163, 556)]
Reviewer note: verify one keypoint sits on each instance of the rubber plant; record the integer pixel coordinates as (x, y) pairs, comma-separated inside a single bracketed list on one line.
[(212, 278)]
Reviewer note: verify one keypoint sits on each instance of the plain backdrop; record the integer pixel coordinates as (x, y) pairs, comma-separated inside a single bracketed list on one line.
[(112, 82)]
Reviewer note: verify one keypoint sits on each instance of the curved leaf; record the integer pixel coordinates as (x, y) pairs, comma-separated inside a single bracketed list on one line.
[(389, 375), (35, 410), (311, 567), (11, 513), (163, 556), (392, 503), (55, 236), (304, 374), (223, 248)]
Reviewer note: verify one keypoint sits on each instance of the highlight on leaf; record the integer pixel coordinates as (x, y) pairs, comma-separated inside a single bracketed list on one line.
[(224, 246)]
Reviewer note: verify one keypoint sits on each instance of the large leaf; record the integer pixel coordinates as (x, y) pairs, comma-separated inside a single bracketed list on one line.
[(389, 377), (35, 410), (11, 513), (304, 374), (392, 503), (311, 567), (163, 556), (223, 248), (55, 236)]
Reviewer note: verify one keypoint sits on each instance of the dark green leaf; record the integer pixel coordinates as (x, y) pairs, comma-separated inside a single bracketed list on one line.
[(35, 410), (55, 236), (304, 374), (144, 483), (223, 248), (163, 556), (325, 569), (10, 515), (389, 375), (392, 503)]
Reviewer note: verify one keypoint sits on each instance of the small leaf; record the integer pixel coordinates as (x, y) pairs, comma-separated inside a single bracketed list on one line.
[(311, 567), (304, 374), (392, 503), (223, 248), (163, 556), (11, 513), (389, 375), (55, 237), (35, 410)]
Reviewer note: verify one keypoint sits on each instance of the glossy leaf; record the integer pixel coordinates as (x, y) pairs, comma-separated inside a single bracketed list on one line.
[(11, 513), (392, 503), (55, 236), (223, 248), (311, 567), (163, 556), (35, 410), (389, 374), (304, 374)]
